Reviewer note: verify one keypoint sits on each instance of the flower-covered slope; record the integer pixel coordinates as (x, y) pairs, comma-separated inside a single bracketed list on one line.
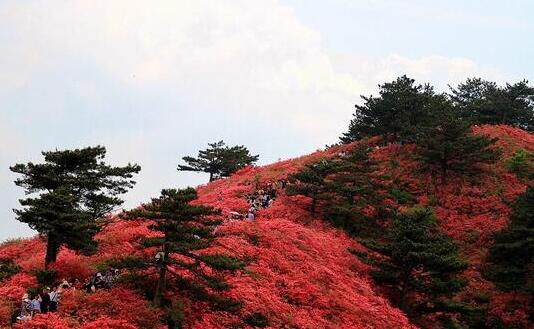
[(300, 273)]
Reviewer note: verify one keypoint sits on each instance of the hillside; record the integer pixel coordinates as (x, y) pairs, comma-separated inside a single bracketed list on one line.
[(300, 273)]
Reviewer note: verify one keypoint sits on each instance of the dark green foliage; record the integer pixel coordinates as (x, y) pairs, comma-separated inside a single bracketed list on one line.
[(199, 293), (510, 260), (467, 316), (353, 188), (419, 260), (521, 163), (484, 102), (446, 144), (344, 188), (8, 269), (175, 315), (72, 189), (257, 320), (311, 182), (139, 282), (222, 262), (46, 277), (395, 114), (219, 160), (185, 228), (401, 196), (125, 262)]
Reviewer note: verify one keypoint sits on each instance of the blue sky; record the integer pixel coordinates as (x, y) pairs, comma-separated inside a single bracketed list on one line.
[(154, 81)]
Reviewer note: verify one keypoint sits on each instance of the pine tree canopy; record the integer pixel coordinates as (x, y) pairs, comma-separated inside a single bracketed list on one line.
[(394, 114), (71, 190), (343, 188), (484, 102), (420, 260), (510, 259), (184, 229), (311, 181), (447, 144), (219, 160)]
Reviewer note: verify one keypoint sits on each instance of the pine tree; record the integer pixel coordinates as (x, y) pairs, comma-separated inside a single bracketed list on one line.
[(219, 160), (184, 230), (353, 188), (446, 143), (343, 187), (311, 182), (394, 114), (510, 260), (72, 190), (421, 264), (484, 102)]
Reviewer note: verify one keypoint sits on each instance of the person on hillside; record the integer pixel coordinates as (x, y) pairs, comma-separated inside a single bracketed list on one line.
[(45, 300), (35, 305), (25, 308), (108, 279), (64, 284), (90, 285), (265, 200), (54, 299), (251, 213)]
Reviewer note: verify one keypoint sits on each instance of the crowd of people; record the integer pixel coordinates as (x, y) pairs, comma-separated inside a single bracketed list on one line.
[(263, 198), (43, 302), (48, 300), (101, 281), (260, 199)]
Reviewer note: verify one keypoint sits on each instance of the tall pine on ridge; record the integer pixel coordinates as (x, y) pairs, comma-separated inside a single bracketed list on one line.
[(485, 102), (446, 143), (394, 114), (71, 191), (219, 160)]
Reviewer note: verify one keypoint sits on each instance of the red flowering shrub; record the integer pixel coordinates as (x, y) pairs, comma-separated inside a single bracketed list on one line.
[(117, 303), (45, 321), (509, 311), (16, 286), (107, 323), (6, 308)]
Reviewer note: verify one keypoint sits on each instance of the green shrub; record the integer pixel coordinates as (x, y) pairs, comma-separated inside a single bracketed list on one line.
[(401, 196), (8, 269), (45, 277), (521, 163), (257, 320)]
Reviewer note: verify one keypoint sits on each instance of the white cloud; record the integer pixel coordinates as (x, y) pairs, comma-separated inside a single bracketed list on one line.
[(248, 56), (254, 61), (236, 51), (440, 71)]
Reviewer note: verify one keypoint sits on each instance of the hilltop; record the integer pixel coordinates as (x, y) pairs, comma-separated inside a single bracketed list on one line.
[(300, 272)]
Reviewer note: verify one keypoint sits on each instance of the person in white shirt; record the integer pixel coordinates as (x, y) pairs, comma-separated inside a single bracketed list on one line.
[(54, 299)]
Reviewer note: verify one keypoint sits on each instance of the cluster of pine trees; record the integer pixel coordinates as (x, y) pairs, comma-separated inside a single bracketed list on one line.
[(418, 264)]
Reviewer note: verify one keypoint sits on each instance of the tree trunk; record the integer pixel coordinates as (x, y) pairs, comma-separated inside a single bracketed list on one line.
[(160, 287), (443, 172), (403, 293), (313, 205), (211, 177), (52, 248)]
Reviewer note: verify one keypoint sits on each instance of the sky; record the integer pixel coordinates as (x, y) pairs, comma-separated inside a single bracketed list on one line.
[(154, 81)]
